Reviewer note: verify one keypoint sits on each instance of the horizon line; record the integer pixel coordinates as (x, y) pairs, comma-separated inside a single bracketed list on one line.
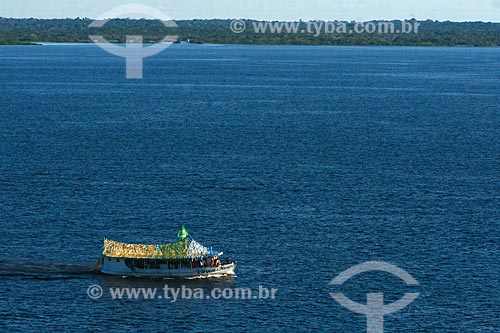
[(246, 19)]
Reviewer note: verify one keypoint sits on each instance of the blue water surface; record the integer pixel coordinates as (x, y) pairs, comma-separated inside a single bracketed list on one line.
[(299, 162)]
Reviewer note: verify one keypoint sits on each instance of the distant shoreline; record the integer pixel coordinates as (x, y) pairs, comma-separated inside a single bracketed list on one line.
[(243, 44), (220, 31), (272, 45)]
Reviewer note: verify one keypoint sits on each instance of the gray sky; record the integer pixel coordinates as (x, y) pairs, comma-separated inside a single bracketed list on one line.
[(454, 10)]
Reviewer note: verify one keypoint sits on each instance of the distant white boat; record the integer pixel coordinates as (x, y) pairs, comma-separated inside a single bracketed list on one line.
[(184, 259)]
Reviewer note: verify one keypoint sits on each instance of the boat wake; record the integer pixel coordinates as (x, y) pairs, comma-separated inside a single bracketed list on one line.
[(44, 271)]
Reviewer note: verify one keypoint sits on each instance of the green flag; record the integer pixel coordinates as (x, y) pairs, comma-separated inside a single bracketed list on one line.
[(182, 234)]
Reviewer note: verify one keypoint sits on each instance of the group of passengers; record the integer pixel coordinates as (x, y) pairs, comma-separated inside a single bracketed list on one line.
[(206, 262)]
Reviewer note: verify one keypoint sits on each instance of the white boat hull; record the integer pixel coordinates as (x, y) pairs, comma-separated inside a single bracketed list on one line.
[(117, 266)]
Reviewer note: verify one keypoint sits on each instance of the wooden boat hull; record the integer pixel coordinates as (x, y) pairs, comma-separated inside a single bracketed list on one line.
[(117, 266)]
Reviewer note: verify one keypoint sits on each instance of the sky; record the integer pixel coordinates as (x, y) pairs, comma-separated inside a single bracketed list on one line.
[(289, 10)]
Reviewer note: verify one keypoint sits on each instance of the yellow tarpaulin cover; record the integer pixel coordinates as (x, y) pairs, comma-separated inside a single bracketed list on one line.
[(159, 251)]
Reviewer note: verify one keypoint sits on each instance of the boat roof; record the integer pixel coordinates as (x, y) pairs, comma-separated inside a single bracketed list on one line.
[(184, 249)]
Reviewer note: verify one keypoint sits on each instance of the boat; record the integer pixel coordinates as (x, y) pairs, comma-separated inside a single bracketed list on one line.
[(183, 259)]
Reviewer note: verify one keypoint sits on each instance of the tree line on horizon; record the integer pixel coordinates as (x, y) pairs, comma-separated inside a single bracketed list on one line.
[(217, 31)]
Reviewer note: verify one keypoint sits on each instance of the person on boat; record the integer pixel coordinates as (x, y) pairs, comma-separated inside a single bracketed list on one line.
[(213, 262)]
